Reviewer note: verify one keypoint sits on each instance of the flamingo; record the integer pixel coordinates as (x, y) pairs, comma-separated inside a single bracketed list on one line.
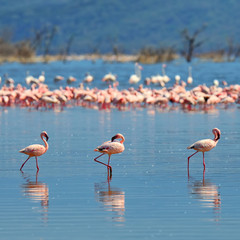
[(110, 147), (224, 83), (8, 80), (109, 78), (30, 79), (58, 78), (36, 150), (177, 79), (41, 78), (71, 79), (216, 82), (165, 77), (205, 145), (190, 79), (88, 78), (135, 78)]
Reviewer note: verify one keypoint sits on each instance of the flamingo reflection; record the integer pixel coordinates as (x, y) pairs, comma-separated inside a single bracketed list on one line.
[(37, 192), (112, 199), (207, 193)]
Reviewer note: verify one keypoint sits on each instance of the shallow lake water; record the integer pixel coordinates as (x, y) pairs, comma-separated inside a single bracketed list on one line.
[(151, 195), (203, 72)]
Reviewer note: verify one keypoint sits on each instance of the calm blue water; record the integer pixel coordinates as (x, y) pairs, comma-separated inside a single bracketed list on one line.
[(203, 72), (150, 195)]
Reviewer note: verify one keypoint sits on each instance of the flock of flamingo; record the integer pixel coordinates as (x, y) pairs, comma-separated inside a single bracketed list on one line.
[(39, 95), (114, 146), (114, 198)]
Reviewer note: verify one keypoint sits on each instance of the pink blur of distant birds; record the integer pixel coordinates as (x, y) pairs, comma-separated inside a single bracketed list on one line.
[(205, 145), (110, 147), (36, 150)]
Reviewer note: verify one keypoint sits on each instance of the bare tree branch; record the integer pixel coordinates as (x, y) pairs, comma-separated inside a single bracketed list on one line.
[(191, 41)]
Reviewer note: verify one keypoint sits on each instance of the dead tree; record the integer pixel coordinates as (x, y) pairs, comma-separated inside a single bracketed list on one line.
[(66, 51), (191, 42), (233, 50), (37, 39), (50, 33), (42, 40)]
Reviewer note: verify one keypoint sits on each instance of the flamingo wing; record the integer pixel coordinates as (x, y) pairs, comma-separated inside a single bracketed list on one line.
[(103, 148), (203, 145), (34, 150)]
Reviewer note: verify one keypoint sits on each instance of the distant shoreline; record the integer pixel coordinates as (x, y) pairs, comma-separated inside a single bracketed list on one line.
[(80, 57), (144, 59)]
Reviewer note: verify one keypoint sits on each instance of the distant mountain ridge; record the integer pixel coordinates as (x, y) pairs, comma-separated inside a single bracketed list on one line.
[(130, 25)]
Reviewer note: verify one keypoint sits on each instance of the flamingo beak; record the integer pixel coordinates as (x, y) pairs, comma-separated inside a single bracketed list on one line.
[(218, 135), (46, 137), (114, 137)]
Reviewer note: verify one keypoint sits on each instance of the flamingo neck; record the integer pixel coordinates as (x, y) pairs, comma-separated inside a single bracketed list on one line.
[(45, 143), (163, 71), (215, 139), (139, 74), (138, 71), (122, 140), (117, 137), (217, 136), (190, 72)]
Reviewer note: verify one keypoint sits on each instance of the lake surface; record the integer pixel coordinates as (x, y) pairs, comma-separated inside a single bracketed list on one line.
[(151, 194), (203, 72)]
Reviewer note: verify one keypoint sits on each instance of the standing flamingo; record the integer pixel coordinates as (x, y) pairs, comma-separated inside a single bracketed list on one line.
[(41, 78), (205, 145), (36, 150), (71, 79), (9, 81), (109, 78), (110, 147), (177, 79), (190, 78), (88, 78), (165, 77), (135, 78), (58, 78)]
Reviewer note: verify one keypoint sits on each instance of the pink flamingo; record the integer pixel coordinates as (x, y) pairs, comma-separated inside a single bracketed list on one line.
[(110, 147), (205, 145), (36, 150)]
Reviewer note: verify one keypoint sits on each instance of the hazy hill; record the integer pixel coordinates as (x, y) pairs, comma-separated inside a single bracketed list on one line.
[(129, 24)]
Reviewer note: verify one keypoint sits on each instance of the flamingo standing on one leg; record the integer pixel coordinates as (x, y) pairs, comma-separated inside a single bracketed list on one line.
[(110, 147), (36, 150), (205, 145)]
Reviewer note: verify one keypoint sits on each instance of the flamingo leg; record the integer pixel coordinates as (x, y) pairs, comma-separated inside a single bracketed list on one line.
[(203, 161), (109, 167), (37, 176), (203, 176), (109, 178), (190, 157), (37, 164), (95, 159), (24, 163)]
